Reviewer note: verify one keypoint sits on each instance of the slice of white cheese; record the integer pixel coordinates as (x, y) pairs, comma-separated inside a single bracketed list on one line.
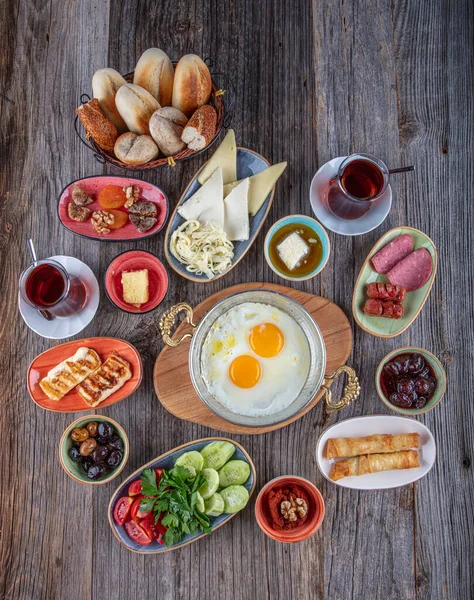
[(292, 250), (207, 201), (225, 157), (261, 184), (236, 221)]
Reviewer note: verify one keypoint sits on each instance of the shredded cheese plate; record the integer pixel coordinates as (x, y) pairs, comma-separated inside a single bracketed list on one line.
[(203, 247)]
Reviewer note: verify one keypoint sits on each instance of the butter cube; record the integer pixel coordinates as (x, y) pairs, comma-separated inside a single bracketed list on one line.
[(135, 287), (292, 250)]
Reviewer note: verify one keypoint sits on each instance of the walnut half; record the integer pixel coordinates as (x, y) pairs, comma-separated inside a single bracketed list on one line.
[(291, 510), (100, 221), (132, 192)]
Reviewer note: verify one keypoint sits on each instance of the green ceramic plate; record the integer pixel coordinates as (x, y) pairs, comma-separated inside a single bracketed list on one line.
[(435, 365), (414, 301), (73, 469)]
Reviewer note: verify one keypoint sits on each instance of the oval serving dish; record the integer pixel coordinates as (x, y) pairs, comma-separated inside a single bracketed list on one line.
[(414, 301), (248, 163), (93, 185), (364, 426), (72, 401), (166, 461)]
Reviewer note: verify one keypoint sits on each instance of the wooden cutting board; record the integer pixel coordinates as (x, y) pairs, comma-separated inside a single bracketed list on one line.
[(172, 381)]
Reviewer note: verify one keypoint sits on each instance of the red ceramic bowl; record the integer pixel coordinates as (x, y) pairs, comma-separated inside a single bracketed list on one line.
[(316, 510), (136, 260)]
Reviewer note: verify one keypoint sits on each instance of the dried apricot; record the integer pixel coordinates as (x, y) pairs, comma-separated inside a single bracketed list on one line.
[(112, 196), (120, 219)]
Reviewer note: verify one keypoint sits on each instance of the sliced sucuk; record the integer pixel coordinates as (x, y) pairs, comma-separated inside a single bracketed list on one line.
[(373, 307), (413, 271), (392, 253)]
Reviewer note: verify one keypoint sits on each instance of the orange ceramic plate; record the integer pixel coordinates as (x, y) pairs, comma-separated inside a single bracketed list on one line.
[(72, 401)]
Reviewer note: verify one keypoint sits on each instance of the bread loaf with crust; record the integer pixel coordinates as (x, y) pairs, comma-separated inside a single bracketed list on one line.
[(136, 106), (105, 84), (133, 149), (154, 72), (201, 128), (192, 84), (103, 131)]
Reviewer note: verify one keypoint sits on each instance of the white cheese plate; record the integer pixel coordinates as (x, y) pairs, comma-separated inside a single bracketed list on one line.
[(364, 426)]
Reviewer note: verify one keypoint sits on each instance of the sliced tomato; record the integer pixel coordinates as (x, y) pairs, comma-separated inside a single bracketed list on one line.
[(155, 531), (122, 508), (159, 473), (141, 514), (135, 507), (135, 488), (137, 533)]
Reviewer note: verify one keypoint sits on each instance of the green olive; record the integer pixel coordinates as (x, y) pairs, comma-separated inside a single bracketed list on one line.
[(92, 428), (87, 447), (79, 434)]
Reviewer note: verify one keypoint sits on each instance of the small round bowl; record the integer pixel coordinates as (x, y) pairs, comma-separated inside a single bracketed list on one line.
[(73, 469), (136, 260), (309, 222), (434, 364), (299, 534)]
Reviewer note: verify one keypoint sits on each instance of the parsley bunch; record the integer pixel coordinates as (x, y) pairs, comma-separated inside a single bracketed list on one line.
[(176, 497)]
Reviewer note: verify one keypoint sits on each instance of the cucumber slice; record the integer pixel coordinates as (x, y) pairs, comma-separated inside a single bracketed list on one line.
[(216, 454), (235, 472), (192, 472), (191, 459), (235, 498), (212, 483), (199, 502), (214, 506)]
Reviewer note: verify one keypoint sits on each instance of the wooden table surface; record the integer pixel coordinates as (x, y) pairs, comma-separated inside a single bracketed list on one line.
[(311, 81)]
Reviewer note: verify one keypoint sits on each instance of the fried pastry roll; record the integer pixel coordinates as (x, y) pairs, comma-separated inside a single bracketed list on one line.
[(374, 463), (372, 444)]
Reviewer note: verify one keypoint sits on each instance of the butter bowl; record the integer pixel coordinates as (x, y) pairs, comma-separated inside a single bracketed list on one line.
[(294, 221)]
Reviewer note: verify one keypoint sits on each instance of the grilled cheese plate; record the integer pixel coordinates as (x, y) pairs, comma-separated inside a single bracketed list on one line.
[(62, 378), (107, 379)]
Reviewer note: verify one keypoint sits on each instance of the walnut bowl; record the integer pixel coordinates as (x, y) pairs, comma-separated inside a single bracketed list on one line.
[(315, 510)]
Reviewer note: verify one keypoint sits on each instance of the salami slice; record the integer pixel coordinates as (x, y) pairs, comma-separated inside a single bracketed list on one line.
[(413, 271), (392, 253)]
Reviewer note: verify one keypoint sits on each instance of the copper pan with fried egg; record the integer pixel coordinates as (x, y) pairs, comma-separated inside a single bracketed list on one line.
[(315, 379)]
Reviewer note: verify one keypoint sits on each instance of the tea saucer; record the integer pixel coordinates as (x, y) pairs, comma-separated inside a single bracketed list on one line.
[(59, 329), (375, 216)]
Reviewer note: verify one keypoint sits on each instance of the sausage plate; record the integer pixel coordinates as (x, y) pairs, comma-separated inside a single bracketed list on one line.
[(414, 301)]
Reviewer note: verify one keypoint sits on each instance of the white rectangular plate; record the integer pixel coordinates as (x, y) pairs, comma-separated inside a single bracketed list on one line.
[(363, 426)]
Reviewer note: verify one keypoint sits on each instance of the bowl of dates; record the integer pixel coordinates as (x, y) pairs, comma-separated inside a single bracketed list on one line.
[(410, 381), (93, 450)]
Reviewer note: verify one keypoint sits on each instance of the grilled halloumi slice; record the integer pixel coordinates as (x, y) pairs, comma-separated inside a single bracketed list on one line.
[(107, 379), (62, 378)]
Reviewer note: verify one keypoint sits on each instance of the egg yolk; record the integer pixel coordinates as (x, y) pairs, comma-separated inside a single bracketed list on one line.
[(266, 340), (245, 371)]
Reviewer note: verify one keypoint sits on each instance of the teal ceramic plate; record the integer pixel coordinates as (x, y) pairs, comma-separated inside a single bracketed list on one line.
[(309, 222), (166, 461), (72, 468), (434, 364), (248, 163), (414, 301)]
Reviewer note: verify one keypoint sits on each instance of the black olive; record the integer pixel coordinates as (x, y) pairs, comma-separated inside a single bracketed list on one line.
[(105, 430), (87, 463), (116, 443), (102, 441), (74, 454), (96, 471), (114, 459), (100, 454)]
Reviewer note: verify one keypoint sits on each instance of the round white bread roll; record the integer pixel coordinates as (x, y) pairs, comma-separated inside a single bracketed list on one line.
[(192, 84), (154, 72), (136, 106), (105, 84), (133, 149), (166, 128)]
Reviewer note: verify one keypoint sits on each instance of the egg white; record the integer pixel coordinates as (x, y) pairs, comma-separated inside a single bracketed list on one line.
[(283, 376)]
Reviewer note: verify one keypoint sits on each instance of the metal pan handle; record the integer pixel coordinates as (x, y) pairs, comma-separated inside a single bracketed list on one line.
[(351, 389), (169, 320)]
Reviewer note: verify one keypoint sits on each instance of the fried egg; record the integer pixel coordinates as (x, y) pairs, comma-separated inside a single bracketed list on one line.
[(255, 359)]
